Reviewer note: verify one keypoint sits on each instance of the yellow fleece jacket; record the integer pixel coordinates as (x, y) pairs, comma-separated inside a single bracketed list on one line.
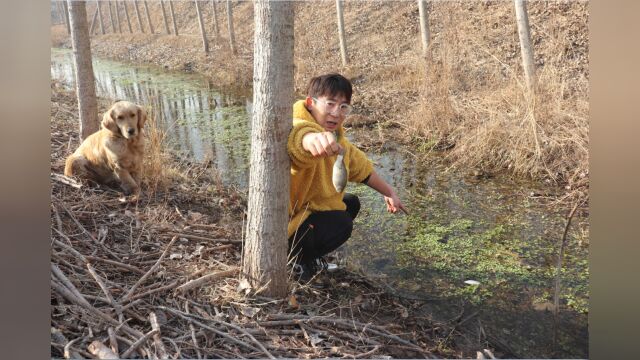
[(311, 185)]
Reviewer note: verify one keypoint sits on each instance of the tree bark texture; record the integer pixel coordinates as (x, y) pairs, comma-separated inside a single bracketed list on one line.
[(85, 83), (113, 24), (265, 249), (100, 17), (118, 18)]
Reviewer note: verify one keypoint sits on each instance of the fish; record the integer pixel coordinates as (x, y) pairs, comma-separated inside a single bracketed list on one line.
[(339, 176)]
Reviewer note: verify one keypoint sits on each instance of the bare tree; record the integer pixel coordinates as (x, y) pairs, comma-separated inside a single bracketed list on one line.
[(113, 24), (118, 17), (173, 18), (164, 17), (126, 14), (146, 11), (343, 40), (232, 36), (265, 249), (424, 25), (526, 49), (205, 43), (215, 18), (85, 82), (60, 11), (135, 6), (66, 16), (93, 20), (100, 17)]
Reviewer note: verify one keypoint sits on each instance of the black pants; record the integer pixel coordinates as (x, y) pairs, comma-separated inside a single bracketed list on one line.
[(324, 231)]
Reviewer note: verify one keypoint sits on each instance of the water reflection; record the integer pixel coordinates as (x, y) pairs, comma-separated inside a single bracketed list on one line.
[(201, 121)]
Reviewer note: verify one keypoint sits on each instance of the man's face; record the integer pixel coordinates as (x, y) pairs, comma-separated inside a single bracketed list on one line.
[(327, 110)]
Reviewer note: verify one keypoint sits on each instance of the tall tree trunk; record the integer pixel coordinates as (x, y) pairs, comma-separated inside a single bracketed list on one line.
[(526, 49), (232, 36), (343, 40), (118, 18), (93, 20), (265, 249), (164, 17), (205, 43), (135, 6), (173, 18), (216, 28), (424, 25), (146, 11), (126, 14), (100, 17), (66, 16), (113, 24), (60, 11), (85, 83)]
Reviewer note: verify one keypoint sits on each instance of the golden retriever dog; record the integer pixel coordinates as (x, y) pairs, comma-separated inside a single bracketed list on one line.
[(113, 154)]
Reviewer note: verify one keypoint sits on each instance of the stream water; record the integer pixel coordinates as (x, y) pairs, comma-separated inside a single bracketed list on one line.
[(460, 227)]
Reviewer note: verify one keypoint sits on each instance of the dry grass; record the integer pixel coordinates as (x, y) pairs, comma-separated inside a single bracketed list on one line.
[(473, 96), (155, 176)]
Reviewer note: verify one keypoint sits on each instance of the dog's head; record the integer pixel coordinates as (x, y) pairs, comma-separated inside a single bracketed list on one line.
[(125, 118)]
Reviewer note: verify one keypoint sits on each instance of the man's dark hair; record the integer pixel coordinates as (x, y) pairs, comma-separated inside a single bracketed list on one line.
[(330, 85)]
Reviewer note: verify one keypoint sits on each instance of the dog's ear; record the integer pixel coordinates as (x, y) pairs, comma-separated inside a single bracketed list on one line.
[(142, 117), (109, 123)]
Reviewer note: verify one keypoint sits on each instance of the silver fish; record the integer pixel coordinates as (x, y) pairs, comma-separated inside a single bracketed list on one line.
[(339, 176)]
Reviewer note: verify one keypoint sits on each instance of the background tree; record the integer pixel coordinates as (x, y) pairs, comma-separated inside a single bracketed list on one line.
[(424, 25), (113, 24), (205, 43), (135, 6), (173, 18), (343, 40), (232, 36), (146, 11), (164, 17), (118, 17), (65, 8), (265, 248), (126, 14), (522, 18), (216, 28), (100, 17), (85, 83)]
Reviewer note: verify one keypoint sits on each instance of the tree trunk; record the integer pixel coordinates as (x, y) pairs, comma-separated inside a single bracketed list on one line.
[(118, 18), (126, 14), (265, 249), (66, 16), (232, 36), (164, 17), (205, 43), (216, 29), (424, 25), (146, 11), (173, 18), (60, 11), (100, 17), (93, 20), (135, 6), (343, 41), (113, 24), (525, 43), (85, 83)]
